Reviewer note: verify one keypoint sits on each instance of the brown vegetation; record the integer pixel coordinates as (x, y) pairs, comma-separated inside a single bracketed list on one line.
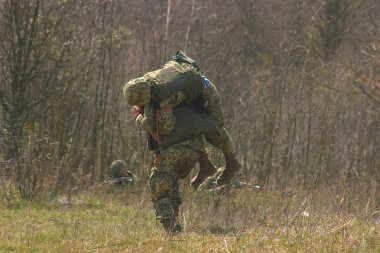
[(299, 82)]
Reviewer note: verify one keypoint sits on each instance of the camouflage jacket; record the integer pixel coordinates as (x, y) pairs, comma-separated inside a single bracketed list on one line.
[(166, 121)]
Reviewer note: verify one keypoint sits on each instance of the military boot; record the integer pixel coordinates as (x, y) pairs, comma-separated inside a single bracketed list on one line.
[(176, 229), (172, 225), (206, 169), (230, 172)]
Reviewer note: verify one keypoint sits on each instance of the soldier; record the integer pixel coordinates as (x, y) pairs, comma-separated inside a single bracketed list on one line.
[(166, 124), (118, 169), (177, 114), (173, 161), (179, 82), (119, 173)]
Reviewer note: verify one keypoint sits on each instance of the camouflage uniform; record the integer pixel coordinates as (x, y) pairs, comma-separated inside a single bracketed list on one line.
[(166, 121), (175, 163), (222, 140), (178, 160), (212, 106)]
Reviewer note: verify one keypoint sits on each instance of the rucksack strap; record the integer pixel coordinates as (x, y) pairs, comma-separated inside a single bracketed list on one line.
[(182, 57)]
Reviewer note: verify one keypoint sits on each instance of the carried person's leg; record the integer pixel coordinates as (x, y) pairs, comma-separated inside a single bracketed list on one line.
[(223, 142), (206, 169)]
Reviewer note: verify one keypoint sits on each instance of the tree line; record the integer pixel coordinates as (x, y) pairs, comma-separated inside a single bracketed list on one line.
[(299, 83)]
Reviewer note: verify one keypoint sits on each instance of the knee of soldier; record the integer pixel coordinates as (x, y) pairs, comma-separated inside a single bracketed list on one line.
[(161, 184)]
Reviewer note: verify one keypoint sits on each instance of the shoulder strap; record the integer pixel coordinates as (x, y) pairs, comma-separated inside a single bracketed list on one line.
[(182, 57)]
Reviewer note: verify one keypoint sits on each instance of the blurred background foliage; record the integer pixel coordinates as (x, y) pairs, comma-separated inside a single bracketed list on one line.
[(299, 83)]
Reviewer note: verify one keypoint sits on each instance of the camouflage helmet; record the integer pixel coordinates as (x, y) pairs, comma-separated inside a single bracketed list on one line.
[(117, 168), (137, 92)]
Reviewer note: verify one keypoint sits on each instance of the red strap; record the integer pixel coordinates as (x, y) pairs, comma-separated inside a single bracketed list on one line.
[(167, 109), (156, 134), (156, 160)]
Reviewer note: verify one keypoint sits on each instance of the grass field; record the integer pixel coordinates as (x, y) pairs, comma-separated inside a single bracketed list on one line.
[(120, 219)]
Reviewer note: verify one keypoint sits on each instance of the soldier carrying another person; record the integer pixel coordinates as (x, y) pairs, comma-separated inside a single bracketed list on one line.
[(180, 82), (177, 106)]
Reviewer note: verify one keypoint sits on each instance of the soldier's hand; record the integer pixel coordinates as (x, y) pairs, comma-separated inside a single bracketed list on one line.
[(136, 111)]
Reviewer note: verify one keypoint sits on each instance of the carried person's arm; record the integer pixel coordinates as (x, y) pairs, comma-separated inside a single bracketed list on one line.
[(140, 118), (213, 103)]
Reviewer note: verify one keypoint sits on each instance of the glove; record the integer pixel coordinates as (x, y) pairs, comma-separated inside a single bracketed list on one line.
[(136, 111)]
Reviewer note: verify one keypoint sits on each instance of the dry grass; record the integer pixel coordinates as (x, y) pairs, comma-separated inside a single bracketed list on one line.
[(120, 219)]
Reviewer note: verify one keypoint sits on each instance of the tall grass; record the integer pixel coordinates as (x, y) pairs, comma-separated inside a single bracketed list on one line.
[(106, 218)]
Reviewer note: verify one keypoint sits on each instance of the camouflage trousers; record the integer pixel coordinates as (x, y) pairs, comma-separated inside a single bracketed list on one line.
[(222, 141), (176, 162)]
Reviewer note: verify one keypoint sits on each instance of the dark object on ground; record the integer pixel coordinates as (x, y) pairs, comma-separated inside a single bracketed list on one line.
[(119, 180), (230, 172), (210, 183), (119, 174)]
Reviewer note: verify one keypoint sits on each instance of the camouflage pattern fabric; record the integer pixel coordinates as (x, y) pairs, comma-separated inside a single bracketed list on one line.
[(183, 65), (137, 92), (222, 141), (174, 100), (166, 121), (177, 160), (176, 163)]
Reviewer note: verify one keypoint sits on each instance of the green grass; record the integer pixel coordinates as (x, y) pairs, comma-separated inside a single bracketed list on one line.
[(121, 219)]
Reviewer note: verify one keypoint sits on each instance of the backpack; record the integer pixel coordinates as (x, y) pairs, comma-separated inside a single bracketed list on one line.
[(189, 123), (181, 73)]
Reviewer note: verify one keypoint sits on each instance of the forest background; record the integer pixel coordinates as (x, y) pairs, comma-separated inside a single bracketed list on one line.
[(299, 83)]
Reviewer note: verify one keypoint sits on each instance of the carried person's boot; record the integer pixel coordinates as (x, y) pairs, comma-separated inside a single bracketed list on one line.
[(230, 172), (206, 169)]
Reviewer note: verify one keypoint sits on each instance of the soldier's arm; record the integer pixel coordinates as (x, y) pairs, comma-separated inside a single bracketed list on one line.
[(174, 100), (144, 117), (166, 120), (213, 103)]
